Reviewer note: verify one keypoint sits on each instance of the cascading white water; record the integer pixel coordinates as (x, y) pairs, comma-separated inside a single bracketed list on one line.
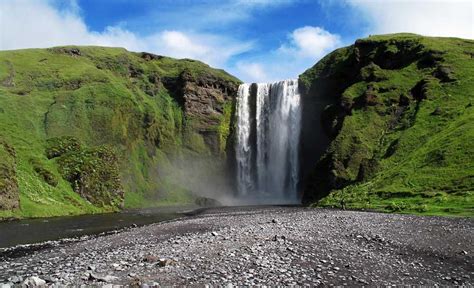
[(243, 152), (268, 132)]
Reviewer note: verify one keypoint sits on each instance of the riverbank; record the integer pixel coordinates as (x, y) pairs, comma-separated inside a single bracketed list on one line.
[(264, 245)]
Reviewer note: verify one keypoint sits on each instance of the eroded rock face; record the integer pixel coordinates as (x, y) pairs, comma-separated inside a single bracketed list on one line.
[(9, 192), (204, 99)]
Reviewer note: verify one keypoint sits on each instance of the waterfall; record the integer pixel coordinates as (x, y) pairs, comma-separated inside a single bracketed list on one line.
[(268, 132)]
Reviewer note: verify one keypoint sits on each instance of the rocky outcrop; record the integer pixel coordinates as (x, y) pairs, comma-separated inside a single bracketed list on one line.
[(207, 102), (9, 192)]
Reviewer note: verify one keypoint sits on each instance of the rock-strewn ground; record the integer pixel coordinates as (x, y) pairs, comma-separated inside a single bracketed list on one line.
[(264, 245)]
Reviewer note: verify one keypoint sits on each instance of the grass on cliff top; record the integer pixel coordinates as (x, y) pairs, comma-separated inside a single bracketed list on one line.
[(101, 96), (173, 67), (426, 162)]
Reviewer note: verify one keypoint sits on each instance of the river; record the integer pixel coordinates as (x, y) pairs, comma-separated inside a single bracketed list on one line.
[(30, 231)]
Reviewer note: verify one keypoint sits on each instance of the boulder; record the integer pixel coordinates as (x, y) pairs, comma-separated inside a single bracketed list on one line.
[(444, 73), (34, 281)]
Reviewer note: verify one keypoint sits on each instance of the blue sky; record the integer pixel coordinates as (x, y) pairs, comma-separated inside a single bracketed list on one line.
[(256, 40)]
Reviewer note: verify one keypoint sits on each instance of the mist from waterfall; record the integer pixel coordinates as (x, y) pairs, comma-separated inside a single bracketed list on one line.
[(268, 133)]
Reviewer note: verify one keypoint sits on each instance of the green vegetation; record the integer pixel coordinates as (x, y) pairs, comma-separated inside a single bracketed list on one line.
[(402, 124), (94, 175), (8, 178), (224, 128), (91, 123)]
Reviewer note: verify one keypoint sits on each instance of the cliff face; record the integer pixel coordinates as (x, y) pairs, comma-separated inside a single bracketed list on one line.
[(393, 118), (98, 128), (208, 103)]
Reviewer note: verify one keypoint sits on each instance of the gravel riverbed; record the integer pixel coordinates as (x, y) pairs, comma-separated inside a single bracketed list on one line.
[(261, 246)]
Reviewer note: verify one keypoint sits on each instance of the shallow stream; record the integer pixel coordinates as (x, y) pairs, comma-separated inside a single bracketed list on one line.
[(30, 231)]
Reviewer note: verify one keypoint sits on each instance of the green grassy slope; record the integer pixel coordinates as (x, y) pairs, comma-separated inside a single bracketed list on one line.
[(401, 124), (106, 98)]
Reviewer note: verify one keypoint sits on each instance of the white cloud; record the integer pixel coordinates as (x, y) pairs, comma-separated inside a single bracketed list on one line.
[(304, 46), (427, 17), (269, 69), (310, 42), (212, 49), (182, 44), (252, 72), (38, 24)]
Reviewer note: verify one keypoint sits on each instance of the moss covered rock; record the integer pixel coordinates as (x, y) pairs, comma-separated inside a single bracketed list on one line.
[(9, 192), (94, 174), (58, 146)]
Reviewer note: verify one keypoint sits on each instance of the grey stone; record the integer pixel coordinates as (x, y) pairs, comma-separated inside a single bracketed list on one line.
[(34, 281), (103, 278)]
